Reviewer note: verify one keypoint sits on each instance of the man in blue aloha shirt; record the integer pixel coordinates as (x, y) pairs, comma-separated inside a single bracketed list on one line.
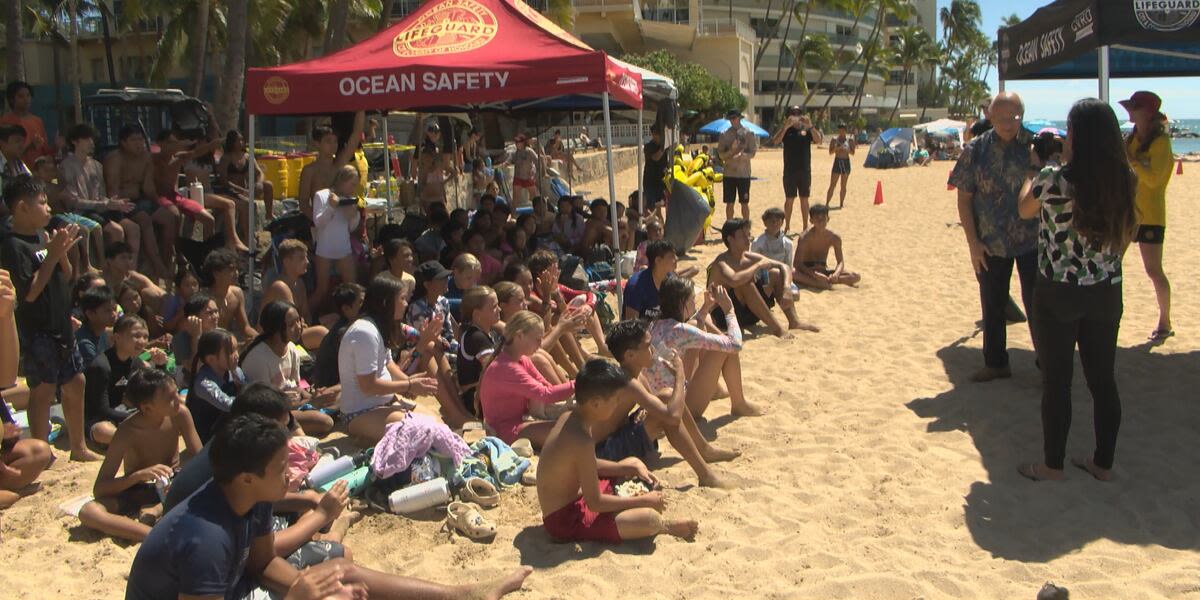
[(989, 175)]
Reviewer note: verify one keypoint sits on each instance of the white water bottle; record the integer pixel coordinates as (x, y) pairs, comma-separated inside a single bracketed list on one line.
[(196, 192), (330, 471), (421, 496)]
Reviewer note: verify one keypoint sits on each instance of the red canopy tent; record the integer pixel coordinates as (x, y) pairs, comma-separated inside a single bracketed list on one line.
[(452, 55)]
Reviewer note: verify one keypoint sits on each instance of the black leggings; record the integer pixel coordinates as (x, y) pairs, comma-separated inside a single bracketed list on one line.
[(1090, 315)]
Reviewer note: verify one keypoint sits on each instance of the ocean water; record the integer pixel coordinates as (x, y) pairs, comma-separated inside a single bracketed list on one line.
[(1179, 145)]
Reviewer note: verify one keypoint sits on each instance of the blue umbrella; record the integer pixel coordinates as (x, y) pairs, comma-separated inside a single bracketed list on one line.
[(720, 125), (1036, 125)]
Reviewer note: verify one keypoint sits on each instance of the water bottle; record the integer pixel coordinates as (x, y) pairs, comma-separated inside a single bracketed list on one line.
[(424, 469), (196, 192), (335, 469), (419, 497)]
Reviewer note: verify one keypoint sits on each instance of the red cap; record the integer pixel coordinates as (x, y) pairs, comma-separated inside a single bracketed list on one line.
[(1143, 99)]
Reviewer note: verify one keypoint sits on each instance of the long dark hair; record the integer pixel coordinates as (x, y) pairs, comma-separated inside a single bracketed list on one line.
[(673, 296), (273, 321), (1102, 181), (379, 306), (1157, 128), (210, 344)]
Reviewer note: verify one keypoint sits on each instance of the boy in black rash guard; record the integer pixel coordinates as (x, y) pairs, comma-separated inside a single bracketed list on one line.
[(481, 311), (39, 269), (218, 543), (108, 375)]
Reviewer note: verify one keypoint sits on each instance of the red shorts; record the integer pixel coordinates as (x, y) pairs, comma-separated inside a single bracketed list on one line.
[(186, 205), (524, 183), (576, 522)]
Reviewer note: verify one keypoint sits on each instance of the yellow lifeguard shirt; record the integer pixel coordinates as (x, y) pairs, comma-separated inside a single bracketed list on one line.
[(1153, 168)]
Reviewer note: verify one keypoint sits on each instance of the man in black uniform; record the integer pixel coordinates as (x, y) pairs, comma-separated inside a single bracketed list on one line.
[(798, 136)]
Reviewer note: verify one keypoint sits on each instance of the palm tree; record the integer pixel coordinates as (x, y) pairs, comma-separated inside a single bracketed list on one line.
[(229, 98), (912, 48), (881, 52), (15, 54), (199, 46), (335, 36), (859, 9), (932, 60), (562, 13), (813, 51), (958, 20)]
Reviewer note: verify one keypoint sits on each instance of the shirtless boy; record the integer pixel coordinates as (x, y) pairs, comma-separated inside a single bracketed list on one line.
[(737, 269), (221, 270), (812, 254), (629, 432), (129, 174), (290, 288), (575, 489), (525, 172), (148, 445), (597, 229), (318, 175)]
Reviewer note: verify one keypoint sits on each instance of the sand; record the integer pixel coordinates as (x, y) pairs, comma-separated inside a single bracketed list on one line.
[(880, 472)]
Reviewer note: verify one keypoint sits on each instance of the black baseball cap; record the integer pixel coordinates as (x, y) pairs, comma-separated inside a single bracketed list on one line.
[(794, 110), (733, 114), (431, 270)]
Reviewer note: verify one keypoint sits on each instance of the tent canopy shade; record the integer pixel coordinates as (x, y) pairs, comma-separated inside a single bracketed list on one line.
[(449, 54), (1145, 38)]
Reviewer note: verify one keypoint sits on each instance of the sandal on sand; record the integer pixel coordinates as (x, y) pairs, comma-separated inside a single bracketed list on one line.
[(1161, 334), (529, 477), (523, 448), (466, 519), (1029, 471), (1086, 465), (481, 492)]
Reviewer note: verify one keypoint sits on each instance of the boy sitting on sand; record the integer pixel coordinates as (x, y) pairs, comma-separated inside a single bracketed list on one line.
[(148, 445), (736, 269), (812, 253), (577, 505), (626, 433)]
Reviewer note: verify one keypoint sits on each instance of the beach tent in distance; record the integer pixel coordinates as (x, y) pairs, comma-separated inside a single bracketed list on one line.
[(942, 128), (450, 56), (1082, 39), (892, 149)]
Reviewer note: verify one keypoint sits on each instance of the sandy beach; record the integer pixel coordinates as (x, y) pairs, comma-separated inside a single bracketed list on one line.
[(880, 470)]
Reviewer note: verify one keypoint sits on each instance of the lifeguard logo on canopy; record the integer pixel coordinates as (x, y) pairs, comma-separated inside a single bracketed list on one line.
[(448, 27), (276, 90), (1166, 15)]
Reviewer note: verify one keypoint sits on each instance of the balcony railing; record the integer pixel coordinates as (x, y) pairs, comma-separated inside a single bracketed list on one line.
[(726, 27), (603, 5)]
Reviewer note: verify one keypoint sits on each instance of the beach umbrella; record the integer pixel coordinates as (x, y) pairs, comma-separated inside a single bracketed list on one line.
[(1056, 131), (720, 125), (1036, 125)]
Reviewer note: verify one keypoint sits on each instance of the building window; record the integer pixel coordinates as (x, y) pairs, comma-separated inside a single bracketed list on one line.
[(764, 27), (844, 30)]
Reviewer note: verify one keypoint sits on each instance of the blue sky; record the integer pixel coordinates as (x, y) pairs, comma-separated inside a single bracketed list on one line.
[(1052, 99)]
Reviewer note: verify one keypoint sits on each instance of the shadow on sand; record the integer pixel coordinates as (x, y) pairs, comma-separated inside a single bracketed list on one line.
[(539, 551), (1155, 496)]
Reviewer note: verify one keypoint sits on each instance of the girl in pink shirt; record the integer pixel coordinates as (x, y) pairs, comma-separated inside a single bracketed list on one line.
[(511, 384)]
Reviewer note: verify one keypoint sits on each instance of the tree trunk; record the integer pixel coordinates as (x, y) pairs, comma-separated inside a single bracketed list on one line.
[(385, 15), (336, 36), (846, 71), (926, 104), (15, 58), (229, 99), (873, 49), (55, 55), (791, 10), (112, 70), (199, 47), (796, 64), (73, 68), (903, 89), (763, 44)]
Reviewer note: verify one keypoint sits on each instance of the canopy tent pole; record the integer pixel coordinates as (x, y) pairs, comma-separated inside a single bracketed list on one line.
[(612, 196), (641, 193), (387, 168), (253, 211), (1103, 68)]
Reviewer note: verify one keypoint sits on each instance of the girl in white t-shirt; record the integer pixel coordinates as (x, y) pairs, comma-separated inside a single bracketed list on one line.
[(336, 216), (371, 379), (274, 359)]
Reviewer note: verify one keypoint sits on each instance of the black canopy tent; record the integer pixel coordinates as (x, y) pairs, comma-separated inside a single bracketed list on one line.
[(1084, 39)]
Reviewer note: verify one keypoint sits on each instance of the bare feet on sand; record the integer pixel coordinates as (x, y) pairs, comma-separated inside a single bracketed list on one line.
[(718, 480), (802, 326), (745, 409), (340, 525), (1088, 465), (1040, 472), (85, 455), (496, 589), (682, 529), (715, 455)]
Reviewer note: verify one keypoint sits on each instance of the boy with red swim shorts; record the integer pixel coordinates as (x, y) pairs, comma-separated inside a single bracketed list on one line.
[(575, 488)]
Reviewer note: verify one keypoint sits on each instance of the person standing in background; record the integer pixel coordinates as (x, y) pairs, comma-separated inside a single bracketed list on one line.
[(1150, 154), (736, 146), (20, 100), (798, 136)]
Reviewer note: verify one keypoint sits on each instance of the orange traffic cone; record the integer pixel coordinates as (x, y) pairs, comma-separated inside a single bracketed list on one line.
[(949, 186), (878, 193), (1179, 167)]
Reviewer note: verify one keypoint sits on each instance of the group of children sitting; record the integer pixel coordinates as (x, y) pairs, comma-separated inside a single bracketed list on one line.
[(474, 312)]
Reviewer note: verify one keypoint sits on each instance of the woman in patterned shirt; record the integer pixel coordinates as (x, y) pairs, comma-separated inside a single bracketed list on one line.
[(1086, 221)]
